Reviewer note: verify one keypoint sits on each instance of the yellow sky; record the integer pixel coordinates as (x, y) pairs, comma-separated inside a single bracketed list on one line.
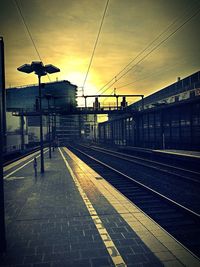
[(65, 31)]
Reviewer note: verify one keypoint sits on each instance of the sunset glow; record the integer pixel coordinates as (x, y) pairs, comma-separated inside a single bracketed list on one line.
[(64, 33)]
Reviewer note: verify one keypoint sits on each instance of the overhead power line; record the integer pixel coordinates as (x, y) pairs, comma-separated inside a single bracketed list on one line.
[(28, 31), (153, 74), (159, 44), (95, 45), (140, 53), (146, 55)]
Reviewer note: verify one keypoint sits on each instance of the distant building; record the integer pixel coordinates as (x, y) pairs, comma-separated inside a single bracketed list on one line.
[(62, 96)]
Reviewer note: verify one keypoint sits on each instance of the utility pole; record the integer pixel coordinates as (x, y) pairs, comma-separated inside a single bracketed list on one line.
[(2, 145)]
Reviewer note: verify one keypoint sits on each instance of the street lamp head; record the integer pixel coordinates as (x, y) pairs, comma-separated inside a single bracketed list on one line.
[(35, 66), (39, 68), (51, 69), (27, 68)]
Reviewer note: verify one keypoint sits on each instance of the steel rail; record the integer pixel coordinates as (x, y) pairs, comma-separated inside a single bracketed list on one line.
[(131, 159), (8, 162), (140, 184), (17, 161)]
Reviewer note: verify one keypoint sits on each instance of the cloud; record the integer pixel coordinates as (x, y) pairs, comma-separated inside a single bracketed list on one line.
[(65, 31)]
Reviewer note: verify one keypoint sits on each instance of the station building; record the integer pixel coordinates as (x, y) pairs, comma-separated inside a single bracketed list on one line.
[(166, 119)]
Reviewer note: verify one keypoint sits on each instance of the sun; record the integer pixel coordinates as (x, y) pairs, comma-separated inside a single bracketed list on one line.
[(77, 78)]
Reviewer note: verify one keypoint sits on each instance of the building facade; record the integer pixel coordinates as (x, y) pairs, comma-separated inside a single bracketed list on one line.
[(62, 95), (167, 119), (56, 97)]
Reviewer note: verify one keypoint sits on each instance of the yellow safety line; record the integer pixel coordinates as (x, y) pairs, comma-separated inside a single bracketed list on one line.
[(111, 248), (159, 241)]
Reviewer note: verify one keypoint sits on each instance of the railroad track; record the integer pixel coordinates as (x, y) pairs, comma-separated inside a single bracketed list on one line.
[(182, 173), (180, 221), (10, 166), (18, 157)]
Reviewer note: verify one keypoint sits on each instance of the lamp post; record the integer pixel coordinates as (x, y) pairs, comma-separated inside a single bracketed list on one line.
[(40, 70), (48, 97), (54, 122)]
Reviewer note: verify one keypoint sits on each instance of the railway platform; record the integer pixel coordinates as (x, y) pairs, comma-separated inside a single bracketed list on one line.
[(70, 216), (183, 153), (170, 153)]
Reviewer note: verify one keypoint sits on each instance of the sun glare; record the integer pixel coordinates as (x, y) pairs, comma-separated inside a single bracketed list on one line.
[(90, 88)]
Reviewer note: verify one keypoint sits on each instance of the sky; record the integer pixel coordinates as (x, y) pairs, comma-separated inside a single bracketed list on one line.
[(65, 31)]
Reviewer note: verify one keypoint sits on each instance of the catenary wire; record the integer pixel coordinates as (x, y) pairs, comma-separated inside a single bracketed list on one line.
[(146, 55), (29, 33), (152, 74), (95, 45), (140, 53)]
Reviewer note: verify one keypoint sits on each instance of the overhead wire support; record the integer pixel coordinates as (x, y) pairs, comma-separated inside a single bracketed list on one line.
[(28, 31), (95, 45)]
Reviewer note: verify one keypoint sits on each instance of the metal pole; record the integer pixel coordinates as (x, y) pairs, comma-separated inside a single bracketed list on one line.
[(3, 92), (163, 141), (49, 129), (54, 124), (117, 102), (22, 131), (142, 102), (41, 128), (95, 124), (2, 124), (55, 130)]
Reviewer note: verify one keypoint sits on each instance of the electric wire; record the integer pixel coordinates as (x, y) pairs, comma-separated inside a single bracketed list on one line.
[(152, 74), (95, 45), (152, 50), (159, 44), (140, 53), (29, 33)]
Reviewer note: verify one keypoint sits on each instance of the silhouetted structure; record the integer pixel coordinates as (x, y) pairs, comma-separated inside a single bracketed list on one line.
[(26, 97), (170, 119), (63, 96)]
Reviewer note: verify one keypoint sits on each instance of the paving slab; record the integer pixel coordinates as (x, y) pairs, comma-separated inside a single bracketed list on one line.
[(70, 216)]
